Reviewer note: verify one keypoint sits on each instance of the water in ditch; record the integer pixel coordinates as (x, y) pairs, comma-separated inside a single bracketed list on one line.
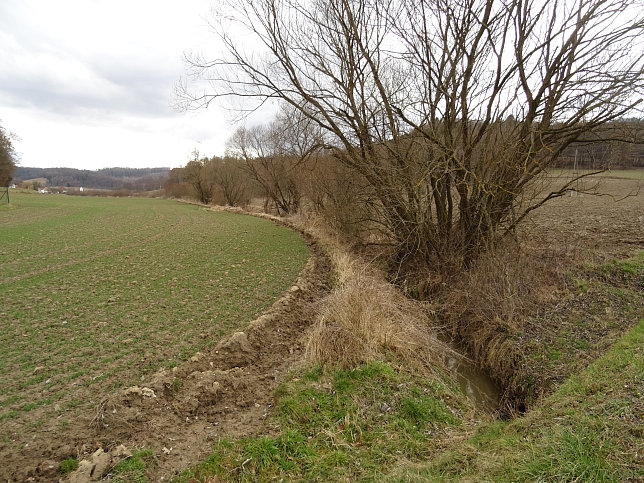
[(477, 385)]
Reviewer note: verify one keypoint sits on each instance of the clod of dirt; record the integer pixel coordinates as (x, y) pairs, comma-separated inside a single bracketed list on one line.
[(197, 357), (236, 342), (139, 391), (120, 452), (47, 469), (237, 349), (102, 462), (83, 473), (207, 386), (98, 465)]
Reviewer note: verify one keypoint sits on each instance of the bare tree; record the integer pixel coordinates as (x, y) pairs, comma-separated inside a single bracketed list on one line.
[(199, 174), (340, 196), (449, 109), (267, 166), (274, 153), (7, 158), (231, 180)]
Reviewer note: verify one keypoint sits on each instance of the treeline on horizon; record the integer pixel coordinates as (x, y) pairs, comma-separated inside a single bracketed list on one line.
[(607, 148), (599, 151), (134, 179)]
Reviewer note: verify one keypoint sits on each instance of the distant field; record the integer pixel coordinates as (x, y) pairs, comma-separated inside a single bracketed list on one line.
[(612, 173), (96, 293)]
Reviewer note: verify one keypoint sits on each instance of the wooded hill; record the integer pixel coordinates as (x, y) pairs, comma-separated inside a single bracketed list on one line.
[(136, 179), (616, 145)]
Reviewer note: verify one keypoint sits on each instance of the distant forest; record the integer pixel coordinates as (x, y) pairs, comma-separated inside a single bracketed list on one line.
[(605, 148), (135, 179), (614, 155)]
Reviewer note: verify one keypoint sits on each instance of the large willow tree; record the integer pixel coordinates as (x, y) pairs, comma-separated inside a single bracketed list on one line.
[(450, 109)]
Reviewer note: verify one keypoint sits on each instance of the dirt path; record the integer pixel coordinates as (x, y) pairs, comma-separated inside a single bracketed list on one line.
[(180, 412)]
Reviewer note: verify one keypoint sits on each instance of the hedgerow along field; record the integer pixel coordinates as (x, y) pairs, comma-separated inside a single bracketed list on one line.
[(97, 293)]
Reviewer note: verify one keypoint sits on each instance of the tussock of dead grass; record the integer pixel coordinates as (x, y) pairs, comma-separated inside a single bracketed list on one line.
[(365, 317), (505, 285)]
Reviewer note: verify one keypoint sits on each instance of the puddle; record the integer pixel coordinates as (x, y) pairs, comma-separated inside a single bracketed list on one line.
[(477, 385)]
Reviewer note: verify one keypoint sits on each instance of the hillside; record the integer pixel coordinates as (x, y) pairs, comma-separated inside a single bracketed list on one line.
[(139, 179)]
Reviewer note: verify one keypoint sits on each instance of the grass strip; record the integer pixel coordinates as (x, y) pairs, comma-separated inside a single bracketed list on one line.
[(590, 429), (340, 425)]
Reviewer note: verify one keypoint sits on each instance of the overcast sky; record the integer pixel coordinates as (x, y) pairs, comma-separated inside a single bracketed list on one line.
[(89, 83)]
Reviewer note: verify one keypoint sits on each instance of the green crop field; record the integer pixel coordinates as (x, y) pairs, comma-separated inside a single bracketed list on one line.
[(96, 293)]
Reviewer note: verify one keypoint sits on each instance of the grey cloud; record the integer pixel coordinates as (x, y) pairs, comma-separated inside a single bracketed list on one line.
[(44, 73)]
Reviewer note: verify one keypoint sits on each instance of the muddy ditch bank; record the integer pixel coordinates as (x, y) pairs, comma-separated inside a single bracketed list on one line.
[(581, 301), (529, 357)]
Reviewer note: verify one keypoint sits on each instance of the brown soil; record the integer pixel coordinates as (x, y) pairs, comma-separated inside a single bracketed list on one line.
[(592, 228), (178, 413)]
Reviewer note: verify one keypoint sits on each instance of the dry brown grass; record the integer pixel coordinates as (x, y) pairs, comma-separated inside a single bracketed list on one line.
[(365, 318), (504, 284)]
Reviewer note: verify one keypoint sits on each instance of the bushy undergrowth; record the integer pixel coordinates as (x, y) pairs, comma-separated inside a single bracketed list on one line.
[(487, 306)]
